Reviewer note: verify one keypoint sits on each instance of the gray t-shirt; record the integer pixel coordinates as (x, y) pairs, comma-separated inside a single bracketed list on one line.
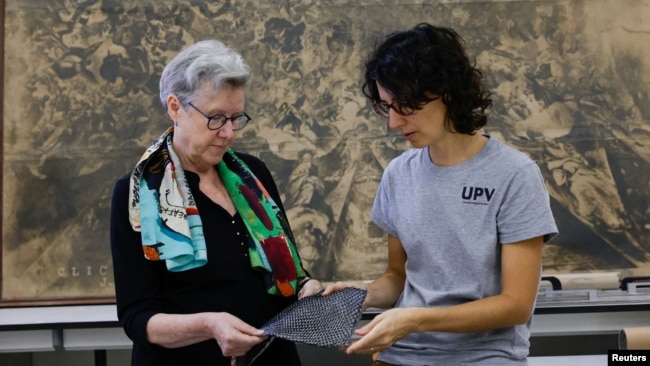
[(451, 222)]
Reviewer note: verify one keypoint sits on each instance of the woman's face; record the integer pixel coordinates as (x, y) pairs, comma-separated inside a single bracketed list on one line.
[(425, 127), (198, 147)]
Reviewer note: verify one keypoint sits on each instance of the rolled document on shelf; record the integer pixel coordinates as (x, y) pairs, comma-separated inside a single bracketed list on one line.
[(634, 338), (587, 281)]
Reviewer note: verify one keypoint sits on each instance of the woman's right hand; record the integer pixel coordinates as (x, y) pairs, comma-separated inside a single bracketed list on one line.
[(234, 336)]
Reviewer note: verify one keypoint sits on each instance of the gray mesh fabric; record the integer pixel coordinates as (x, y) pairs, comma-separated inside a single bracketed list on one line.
[(324, 321)]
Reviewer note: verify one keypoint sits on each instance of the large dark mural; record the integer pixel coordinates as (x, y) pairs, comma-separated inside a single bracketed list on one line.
[(571, 83)]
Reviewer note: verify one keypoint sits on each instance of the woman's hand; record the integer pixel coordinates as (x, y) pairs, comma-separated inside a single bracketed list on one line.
[(310, 287), (340, 285), (234, 336), (382, 332)]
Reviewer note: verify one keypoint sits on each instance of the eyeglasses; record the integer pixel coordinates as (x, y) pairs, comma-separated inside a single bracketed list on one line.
[(217, 121), (383, 109)]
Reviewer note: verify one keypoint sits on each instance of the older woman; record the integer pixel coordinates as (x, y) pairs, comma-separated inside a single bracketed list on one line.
[(202, 250)]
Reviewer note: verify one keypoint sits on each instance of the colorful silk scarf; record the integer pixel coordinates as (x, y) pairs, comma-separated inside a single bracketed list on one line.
[(163, 210)]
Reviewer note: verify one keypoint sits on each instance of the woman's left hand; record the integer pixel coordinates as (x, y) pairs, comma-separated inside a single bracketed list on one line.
[(382, 332), (311, 287)]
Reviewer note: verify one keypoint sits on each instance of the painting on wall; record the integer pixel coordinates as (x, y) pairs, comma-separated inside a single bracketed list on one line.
[(570, 83)]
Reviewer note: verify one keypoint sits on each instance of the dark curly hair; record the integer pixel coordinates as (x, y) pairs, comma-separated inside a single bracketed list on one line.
[(419, 64)]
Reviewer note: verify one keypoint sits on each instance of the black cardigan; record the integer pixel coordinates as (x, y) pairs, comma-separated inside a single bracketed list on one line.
[(227, 283)]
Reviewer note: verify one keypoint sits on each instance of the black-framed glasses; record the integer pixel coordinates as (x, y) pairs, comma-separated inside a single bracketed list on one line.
[(383, 109), (217, 121)]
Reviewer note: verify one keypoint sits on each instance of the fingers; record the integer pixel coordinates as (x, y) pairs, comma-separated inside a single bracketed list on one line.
[(362, 331), (312, 287), (250, 330), (235, 337), (361, 348), (238, 344), (373, 339), (363, 345), (365, 348), (337, 286)]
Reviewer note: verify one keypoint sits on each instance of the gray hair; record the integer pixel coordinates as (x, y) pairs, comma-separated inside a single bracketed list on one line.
[(208, 61)]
